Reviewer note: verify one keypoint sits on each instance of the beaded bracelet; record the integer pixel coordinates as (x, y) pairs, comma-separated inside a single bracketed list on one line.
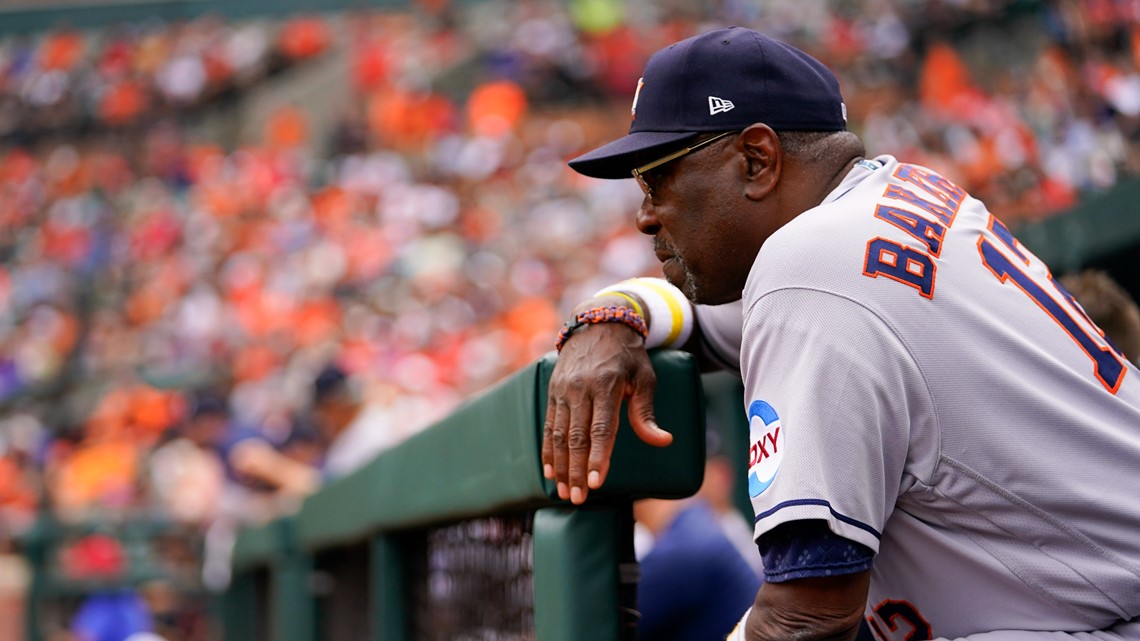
[(614, 314)]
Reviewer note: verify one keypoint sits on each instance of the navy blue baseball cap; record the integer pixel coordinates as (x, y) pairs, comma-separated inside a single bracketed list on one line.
[(721, 80)]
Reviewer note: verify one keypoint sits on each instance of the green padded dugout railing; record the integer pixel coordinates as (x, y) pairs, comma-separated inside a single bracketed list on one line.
[(1100, 225), (474, 478)]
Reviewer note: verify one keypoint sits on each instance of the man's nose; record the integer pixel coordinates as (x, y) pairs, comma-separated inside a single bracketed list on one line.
[(646, 220)]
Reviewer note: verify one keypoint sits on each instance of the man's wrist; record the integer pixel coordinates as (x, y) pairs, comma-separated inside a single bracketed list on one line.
[(610, 314), (668, 314)]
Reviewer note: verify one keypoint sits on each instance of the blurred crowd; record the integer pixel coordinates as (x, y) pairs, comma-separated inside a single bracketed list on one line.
[(69, 82), (432, 244)]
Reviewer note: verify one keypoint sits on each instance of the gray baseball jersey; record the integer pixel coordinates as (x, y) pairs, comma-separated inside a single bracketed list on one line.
[(917, 379)]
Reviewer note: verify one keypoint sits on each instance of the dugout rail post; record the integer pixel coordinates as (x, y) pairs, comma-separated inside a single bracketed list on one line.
[(270, 592), (380, 542)]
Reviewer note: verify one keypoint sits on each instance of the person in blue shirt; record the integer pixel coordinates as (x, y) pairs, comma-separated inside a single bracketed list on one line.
[(111, 616), (694, 582)]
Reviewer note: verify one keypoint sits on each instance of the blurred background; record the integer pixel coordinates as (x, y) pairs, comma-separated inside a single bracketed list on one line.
[(206, 205)]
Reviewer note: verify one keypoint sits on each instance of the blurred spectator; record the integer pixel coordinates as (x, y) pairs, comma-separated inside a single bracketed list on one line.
[(207, 448), (220, 442), (304, 37), (68, 80), (287, 128), (292, 473), (94, 557), (173, 619), (111, 616), (356, 428), (353, 428), (14, 578), (99, 474), (187, 481), (1109, 306), (18, 493), (718, 490), (694, 583), (496, 108)]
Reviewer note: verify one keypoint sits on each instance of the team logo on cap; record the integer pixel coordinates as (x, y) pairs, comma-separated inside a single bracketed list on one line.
[(719, 105), (633, 107), (766, 436)]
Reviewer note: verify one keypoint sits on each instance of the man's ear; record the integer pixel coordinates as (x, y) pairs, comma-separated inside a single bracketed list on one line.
[(763, 159)]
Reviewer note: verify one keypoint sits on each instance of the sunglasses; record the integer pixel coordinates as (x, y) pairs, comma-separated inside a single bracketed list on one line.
[(639, 172)]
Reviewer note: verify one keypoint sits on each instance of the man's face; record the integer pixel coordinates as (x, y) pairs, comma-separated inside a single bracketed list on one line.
[(325, 417), (207, 429), (705, 248), (332, 414)]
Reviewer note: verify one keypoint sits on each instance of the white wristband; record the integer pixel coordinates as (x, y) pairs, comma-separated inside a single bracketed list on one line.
[(737, 633), (671, 317)]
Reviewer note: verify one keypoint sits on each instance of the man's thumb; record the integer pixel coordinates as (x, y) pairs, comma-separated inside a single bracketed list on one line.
[(643, 422)]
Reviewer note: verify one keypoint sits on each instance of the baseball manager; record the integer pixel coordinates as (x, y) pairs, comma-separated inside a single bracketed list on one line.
[(942, 444)]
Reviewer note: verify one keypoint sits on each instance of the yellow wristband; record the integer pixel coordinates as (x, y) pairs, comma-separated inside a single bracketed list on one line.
[(671, 317), (631, 299)]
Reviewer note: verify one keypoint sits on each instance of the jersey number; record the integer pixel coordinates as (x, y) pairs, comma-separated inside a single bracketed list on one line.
[(916, 267), (1108, 364), (891, 613)]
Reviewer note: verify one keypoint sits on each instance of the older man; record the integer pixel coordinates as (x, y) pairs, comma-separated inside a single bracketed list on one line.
[(942, 443)]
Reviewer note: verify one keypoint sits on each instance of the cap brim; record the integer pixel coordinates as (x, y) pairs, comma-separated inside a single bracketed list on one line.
[(618, 158)]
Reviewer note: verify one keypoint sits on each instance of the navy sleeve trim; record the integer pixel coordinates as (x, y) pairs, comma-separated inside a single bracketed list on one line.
[(809, 549), (842, 517)]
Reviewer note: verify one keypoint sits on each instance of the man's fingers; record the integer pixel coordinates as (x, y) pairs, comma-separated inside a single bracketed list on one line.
[(547, 445), (603, 430), (578, 444), (586, 391), (558, 435), (642, 419)]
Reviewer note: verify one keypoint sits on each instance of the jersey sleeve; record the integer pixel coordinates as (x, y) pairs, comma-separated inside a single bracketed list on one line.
[(833, 397), (720, 332)]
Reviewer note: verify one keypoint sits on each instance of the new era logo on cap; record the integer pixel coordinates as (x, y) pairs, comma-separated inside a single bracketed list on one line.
[(719, 105)]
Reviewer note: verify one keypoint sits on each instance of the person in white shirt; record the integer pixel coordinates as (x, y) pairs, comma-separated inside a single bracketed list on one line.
[(353, 429)]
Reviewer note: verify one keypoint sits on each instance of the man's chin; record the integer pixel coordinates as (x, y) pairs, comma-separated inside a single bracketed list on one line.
[(683, 280), (699, 295), (679, 277)]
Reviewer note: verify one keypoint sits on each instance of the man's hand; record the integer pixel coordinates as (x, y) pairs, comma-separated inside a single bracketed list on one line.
[(599, 366), (257, 460)]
